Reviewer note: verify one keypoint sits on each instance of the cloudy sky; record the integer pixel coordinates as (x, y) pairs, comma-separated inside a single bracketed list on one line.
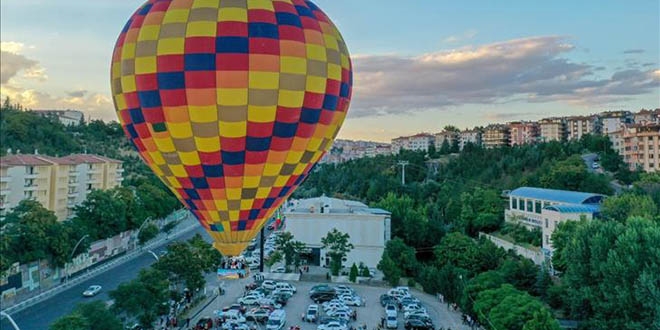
[(419, 64)]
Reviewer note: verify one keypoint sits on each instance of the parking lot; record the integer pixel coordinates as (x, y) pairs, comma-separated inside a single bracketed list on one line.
[(369, 315)]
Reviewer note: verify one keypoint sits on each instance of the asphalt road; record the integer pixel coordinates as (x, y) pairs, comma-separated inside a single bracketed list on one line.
[(41, 315)]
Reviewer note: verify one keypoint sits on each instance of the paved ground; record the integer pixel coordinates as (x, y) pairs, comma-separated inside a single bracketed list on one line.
[(369, 315)]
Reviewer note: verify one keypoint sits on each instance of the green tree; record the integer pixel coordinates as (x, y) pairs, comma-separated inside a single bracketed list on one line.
[(624, 206), (352, 276), (182, 266), (97, 314), (102, 214), (73, 321), (147, 233), (337, 245), (542, 320), (402, 255), (143, 297), (390, 269), (290, 248), (274, 258)]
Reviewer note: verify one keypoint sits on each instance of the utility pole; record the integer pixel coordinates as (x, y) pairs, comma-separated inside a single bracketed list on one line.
[(403, 165), (261, 251)]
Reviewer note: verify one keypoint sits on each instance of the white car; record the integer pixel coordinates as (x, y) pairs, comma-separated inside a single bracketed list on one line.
[(351, 300), (279, 269), (92, 291), (333, 304), (331, 326), (269, 285), (250, 300), (416, 313), (312, 313), (410, 309), (286, 285), (341, 314)]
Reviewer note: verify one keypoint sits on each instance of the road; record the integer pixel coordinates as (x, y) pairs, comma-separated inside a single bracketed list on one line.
[(41, 315)]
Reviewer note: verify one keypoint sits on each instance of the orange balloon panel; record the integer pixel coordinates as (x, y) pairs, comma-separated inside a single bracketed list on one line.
[(231, 103)]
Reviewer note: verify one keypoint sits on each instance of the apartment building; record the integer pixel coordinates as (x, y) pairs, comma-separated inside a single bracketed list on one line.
[(417, 142), (614, 121), (496, 135), (523, 132), (66, 117), (552, 129), (646, 117), (469, 136), (578, 126), (59, 184), (449, 136), (641, 144)]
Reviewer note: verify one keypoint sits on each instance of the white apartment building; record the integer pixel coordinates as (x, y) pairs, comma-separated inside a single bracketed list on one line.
[(59, 184), (577, 126), (469, 136), (309, 220), (66, 117), (418, 142), (614, 121), (448, 136), (552, 129)]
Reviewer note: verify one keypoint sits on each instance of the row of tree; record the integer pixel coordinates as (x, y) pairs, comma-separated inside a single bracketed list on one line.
[(32, 232), (148, 296)]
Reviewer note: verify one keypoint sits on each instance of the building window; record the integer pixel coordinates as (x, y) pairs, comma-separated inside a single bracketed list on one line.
[(547, 239), (546, 223), (530, 206), (514, 203), (538, 207)]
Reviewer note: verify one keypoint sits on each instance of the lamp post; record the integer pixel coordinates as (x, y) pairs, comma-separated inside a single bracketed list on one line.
[(66, 279), (154, 255), (10, 320), (137, 235)]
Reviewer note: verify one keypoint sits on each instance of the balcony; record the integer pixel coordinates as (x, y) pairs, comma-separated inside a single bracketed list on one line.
[(120, 170), (119, 179), (32, 175), (72, 194), (73, 183), (4, 192), (5, 179), (71, 204), (30, 188), (74, 173)]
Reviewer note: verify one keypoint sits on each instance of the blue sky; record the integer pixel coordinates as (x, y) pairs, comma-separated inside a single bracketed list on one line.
[(419, 65)]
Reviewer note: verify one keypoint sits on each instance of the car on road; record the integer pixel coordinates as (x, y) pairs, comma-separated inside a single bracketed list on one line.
[(92, 291), (279, 269), (312, 313)]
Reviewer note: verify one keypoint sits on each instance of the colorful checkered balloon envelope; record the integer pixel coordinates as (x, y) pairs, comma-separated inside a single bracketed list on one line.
[(231, 103)]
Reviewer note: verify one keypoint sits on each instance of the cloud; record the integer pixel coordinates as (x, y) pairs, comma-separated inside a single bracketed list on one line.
[(78, 93), (13, 62), (633, 51), (469, 34), (97, 105), (530, 69)]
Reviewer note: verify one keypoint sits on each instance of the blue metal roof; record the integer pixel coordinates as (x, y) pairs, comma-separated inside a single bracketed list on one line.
[(559, 196), (574, 208)]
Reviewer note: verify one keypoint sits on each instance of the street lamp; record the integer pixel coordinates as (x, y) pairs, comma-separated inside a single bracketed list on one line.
[(66, 279), (10, 320), (154, 255), (147, 220)]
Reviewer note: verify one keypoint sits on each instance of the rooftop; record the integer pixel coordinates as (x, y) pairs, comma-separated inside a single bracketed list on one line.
[(87, 159), (43, 160), (559, 196), (574, 208), (330, 205)]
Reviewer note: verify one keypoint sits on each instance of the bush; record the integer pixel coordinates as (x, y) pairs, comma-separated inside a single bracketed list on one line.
[(354, 273), (412, 283)]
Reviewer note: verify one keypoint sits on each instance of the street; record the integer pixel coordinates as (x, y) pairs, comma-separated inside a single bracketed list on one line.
[(41, 315)]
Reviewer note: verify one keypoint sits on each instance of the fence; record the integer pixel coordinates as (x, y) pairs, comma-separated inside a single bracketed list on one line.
[(536, 256)]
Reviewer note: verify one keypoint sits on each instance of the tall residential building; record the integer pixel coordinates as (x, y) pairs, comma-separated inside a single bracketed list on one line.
[(59, 184), (616, 138), (641, 145), (577, 126), (496, 135), (614, 121), (552, 129), (417, 142), (646, 117), (449, 136), (523, 132), (469, 136)]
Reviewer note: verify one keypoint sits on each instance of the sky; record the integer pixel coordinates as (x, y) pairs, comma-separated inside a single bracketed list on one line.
[(419, 65)]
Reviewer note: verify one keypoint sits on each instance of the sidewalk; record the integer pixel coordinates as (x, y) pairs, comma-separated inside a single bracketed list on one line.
[(185, 226)]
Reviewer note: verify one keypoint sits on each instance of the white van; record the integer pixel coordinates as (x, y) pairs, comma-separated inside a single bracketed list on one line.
[(276, 320)]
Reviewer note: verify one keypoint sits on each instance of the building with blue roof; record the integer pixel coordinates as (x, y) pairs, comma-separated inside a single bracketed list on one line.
[(545, 209)]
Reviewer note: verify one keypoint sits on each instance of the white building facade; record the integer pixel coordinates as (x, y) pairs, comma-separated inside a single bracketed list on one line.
[(310, 220)]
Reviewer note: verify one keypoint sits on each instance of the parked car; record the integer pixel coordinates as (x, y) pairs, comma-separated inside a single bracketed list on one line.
[(391, 322), (234, 316), (250, 300), (333, 325), (312, 313), (258, 314), (204, 323), (390, 310), (269, 285), (386, 299), (417, 324), (321, 296), (276, 320), (286, 285), (92, 291), (351, 300)]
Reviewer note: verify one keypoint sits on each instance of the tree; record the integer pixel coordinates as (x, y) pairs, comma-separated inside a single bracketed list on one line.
[(624, 206), (73, 321), (143, 297), (290, 248), (542, 320), (98, 315), (102, 214), (147, 233), (402, 255), (337, 245), (182, 266), (391, 270), (352, 276), (274, 258)]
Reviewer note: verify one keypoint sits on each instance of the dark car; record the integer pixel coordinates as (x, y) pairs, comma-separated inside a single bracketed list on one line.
[(321, 287), (386, 299), (281, 298), (427, 320), (204, 324), (417, 324), (323, 296)]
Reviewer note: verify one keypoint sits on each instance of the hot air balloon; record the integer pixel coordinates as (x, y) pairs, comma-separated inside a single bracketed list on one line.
[(231, 103)]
